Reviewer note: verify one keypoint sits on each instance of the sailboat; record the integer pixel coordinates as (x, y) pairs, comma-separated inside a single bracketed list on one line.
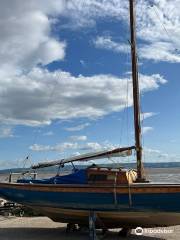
[(118, 197)]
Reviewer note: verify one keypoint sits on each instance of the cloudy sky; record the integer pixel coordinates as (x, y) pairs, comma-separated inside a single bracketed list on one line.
[(65, 78)]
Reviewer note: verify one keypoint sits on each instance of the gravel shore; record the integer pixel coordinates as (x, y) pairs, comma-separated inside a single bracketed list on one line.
[(42, 228)]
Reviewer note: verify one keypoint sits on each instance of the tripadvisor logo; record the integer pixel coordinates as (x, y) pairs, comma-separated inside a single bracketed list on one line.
[(139, 231)]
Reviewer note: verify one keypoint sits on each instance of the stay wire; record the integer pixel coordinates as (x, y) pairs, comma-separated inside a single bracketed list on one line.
[(153, 6)]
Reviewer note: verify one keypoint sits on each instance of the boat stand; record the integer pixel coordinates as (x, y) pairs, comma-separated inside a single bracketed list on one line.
[(92, 225), (71, 228)]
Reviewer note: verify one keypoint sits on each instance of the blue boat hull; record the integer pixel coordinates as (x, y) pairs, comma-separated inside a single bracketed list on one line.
[(139, 205)]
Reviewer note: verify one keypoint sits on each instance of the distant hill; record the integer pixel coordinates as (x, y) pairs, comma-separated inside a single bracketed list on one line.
[(69, 167)]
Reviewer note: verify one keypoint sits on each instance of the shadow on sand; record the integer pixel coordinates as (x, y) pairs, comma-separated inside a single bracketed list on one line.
[(59, 233)]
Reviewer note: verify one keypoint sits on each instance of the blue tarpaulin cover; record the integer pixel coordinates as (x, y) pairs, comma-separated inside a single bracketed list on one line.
[(78, 177)]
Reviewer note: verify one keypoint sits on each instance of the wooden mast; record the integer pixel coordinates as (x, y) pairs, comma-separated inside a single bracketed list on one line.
[(136, 95)]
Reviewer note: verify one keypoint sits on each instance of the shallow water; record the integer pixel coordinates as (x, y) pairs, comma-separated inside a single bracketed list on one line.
[(171, 175)]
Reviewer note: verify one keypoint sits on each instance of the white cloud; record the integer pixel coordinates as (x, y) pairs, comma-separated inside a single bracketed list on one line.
[(157, 26), (77, 128), (147, 129), (146, 115), (155, 154), (84, 13), (151, 151), (106, 42), (59, 147), (26, 30), (92, 146), (69, 146), (151, 82), (78, 138), (26, 38), (30, 101), (39, 148), (159, 51), (6, 132)]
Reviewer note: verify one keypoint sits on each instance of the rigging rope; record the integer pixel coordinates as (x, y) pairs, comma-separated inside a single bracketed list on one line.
[(154, 7)]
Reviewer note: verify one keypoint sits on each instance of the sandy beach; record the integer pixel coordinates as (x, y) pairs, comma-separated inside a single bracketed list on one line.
[(42, 228)]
